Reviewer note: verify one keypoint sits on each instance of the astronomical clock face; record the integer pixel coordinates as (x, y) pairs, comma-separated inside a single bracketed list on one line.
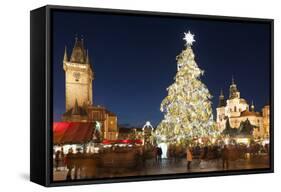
[(76, 75)]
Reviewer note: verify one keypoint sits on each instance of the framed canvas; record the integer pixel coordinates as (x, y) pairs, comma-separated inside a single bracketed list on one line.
[(119, 95)]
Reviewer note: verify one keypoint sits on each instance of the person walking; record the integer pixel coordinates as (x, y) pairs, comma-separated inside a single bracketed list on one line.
[(57, 159), (203, 163), (78, 163), (69, 163), (155, 153), (225, 157), (188, 158), (62, 158), (197, 151), (159, 154)]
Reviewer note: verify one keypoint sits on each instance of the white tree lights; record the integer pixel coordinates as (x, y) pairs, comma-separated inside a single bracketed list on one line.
[(187, 108)]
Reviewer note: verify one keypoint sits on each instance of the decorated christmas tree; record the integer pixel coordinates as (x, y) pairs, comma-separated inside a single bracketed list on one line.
[(187, 108)]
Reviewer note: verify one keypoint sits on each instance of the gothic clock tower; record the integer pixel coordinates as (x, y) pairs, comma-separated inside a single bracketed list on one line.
[(78, 78)]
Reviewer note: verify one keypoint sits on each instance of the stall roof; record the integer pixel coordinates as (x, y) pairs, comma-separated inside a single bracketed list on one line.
[(125, 141), (72, 132)]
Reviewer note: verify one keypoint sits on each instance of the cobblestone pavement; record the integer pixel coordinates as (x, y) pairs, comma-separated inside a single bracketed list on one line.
[(168, 167)]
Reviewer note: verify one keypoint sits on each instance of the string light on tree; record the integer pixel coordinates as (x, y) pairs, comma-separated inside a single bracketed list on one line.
[(187, 107)]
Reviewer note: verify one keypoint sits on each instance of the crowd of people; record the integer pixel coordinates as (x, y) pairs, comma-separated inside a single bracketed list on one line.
[(219, 153), (75, 162), (70, 161), (208, 153), (82, 164)]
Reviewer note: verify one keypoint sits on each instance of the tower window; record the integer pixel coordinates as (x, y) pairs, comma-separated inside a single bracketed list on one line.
[(235, 109)]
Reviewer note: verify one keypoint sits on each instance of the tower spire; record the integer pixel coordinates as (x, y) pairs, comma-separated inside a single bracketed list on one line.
[(252, 106), (75, 110), (221, 94), (87, 57), (65, 54), (78, 54), (221, 99), (233, 90)]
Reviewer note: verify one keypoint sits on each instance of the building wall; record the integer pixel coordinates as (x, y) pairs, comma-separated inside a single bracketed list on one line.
[(112, 123), (233, 110), (266, 119), (254, 120), (108, 121), (110, 127), (78, 84), (112, 131), (75, 118), (235, 107)]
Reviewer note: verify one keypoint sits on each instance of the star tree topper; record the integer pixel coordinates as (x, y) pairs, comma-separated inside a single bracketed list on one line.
[(189, 38)]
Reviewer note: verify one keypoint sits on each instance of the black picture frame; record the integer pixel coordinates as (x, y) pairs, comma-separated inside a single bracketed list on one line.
[(41, 95)]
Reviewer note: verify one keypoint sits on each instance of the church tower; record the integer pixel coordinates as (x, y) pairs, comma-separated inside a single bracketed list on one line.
[(78, 77), (233, 90), (222, 102), (221, 112)]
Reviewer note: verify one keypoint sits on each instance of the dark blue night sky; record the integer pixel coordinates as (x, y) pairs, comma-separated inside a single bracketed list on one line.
[(133, 58)]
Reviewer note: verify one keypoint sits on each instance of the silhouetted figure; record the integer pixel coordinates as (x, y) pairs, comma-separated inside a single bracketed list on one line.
[(225, 157), (216, 152), (197, 151), (159, 154), (205, 153), (78, 163), (57, 159), (155, 153), (69, 163), (62, 157), (188, 157), (204, 157)]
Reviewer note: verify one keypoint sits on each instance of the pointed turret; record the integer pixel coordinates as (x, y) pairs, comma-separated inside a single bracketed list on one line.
[(221, 95), (252, 106), (87, 58), (233, 83), (65, 58), (78, 54), (75, 110), (233, 91), (221, 100)]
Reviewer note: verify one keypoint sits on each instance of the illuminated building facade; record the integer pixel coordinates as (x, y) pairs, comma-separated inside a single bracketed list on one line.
[(79, 105), (237, 110)]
